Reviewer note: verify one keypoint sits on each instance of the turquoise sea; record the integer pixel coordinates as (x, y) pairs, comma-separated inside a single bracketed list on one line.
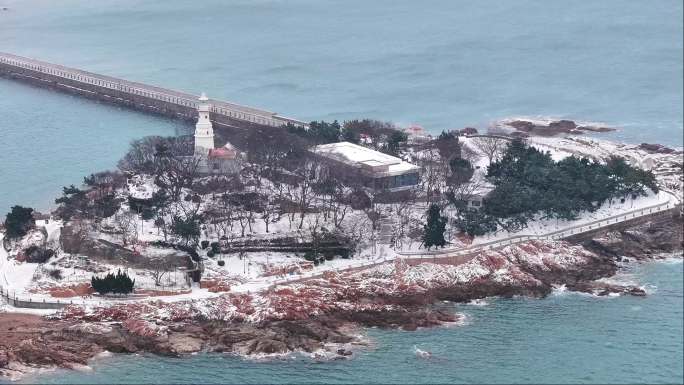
[(439, 63), (565, 338)]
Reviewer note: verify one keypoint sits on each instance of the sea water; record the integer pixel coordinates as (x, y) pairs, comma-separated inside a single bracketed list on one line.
[(441, 64), (564, 338)]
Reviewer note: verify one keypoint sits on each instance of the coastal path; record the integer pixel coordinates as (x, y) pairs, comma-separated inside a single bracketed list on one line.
[(461, 255)]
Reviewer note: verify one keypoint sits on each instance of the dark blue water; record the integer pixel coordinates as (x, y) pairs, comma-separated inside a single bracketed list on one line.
[(565, 338), (441, 64)]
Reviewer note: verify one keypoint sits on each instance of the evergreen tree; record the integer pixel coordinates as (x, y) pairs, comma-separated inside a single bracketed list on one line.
[(528, 182), (474, 222), (461, 170), (120, 283), (19, 221), (188, 229), (433, 234), (72, 203)]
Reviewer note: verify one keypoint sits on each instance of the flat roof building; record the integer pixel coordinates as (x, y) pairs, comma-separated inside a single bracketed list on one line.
[(377, 170)]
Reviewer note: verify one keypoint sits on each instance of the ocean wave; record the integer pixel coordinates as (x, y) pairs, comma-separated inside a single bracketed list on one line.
[(478, 302), (669, 258), (559, 290)]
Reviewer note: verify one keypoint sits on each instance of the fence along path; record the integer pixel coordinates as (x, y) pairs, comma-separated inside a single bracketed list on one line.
[(461, 255), (454, 256)]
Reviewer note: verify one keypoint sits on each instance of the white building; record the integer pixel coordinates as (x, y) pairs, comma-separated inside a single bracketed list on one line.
[(370, 168), (213, 160), (204, 130)]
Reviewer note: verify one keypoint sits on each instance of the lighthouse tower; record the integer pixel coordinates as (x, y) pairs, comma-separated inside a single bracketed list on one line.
[(204, 131)]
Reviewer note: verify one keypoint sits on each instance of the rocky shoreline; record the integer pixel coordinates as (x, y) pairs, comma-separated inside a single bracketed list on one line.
[(552, 128), (325, 316)]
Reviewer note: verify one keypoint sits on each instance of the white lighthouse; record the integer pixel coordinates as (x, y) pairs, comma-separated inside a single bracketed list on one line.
[(204, 131)]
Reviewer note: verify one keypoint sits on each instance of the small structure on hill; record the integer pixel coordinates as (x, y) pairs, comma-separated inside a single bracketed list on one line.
[(417, 134), (222, 160), (367, 167), (476, 197)]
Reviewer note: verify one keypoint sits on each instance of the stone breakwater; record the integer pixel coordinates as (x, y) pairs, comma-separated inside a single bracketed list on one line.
[(324, 315)]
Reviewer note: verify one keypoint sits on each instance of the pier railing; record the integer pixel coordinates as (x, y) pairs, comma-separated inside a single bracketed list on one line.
[(232, 110)]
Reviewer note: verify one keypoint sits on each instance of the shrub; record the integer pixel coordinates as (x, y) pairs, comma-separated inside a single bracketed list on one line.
[(36, 254), (310, 256), (55, 274), (204, 244), (119, 283), (211, 254), (216, 247), (221, 263), (19, 221)]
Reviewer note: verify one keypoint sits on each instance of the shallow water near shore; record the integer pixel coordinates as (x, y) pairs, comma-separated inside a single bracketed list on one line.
[(566, 337)]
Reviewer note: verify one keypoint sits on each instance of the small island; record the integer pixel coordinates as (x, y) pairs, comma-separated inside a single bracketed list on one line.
[(289, 239)]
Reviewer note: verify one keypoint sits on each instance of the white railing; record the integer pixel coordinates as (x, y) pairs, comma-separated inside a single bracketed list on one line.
[(26, 301), (554, 235), (232, 110), (434, 255)]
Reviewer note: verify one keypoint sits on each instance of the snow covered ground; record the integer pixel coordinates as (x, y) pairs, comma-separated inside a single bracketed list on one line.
[(260, 270)]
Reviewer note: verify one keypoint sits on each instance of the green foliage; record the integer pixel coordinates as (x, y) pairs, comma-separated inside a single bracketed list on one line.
[(528, 182), (394, 142), (446, 135), (448, 145), (72, 203), (433, 234), (19, 221), (37, 254), (376, 130), (461, 170), (474, 222), (106, 206), (318, 132), (186, 228), (119, 283)]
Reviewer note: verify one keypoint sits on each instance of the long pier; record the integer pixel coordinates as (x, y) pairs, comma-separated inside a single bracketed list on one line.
[(139, 96)]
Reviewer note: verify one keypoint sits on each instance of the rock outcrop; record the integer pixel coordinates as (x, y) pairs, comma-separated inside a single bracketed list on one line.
[(323, 314), (554, 127)]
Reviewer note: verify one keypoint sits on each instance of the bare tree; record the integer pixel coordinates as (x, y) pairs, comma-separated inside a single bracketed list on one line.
[(464, 192), (270, 211), (401, 211), (221, 215), (176, 172), (127, 223), (303, 193), (435, 169), (490, 146), (469, 154), (314, 232), (159, 268)]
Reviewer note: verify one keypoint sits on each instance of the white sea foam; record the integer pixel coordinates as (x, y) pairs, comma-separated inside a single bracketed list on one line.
[(421, 353), (478, 302), (559, 290)]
